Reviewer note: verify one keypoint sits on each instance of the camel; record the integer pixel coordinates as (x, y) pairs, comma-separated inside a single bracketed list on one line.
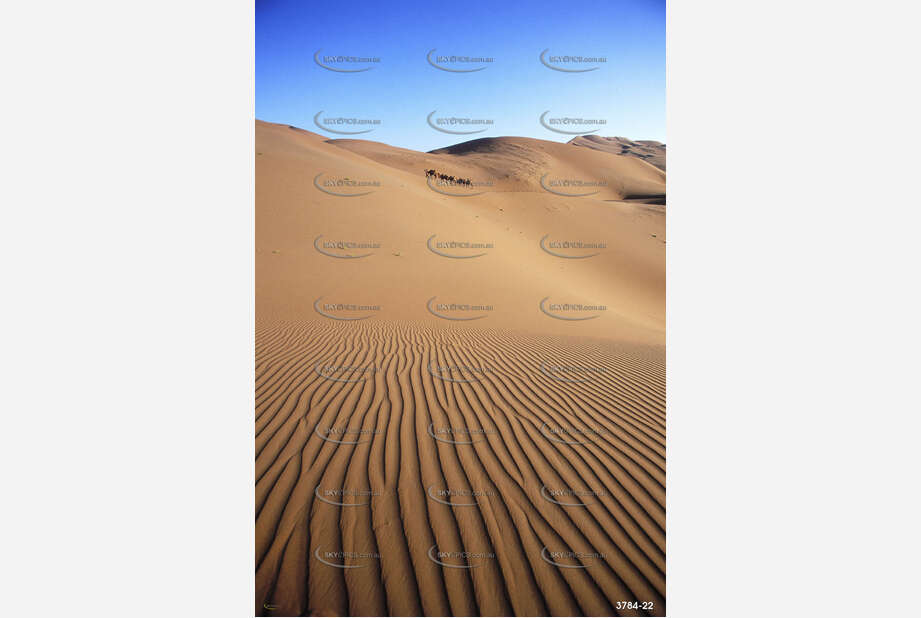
[(451, 180)]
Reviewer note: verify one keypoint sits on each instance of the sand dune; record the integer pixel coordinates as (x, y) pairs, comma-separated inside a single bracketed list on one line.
[(440, 429), (517, 163), (648, 150), (626, 276)]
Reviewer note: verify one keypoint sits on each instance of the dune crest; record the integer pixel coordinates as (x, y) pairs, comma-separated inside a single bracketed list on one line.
[(651, 151)]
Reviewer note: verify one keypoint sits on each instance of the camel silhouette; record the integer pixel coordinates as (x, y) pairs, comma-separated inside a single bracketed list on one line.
[(448, 179)]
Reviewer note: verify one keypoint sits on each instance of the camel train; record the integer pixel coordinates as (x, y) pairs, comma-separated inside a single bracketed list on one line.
[(451, 180)]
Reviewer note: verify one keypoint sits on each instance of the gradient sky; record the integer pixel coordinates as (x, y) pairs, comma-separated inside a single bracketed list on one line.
[(402, 89)]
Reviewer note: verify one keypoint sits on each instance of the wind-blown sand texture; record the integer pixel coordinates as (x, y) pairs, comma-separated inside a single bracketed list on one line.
[(391, 443), (649, 150)]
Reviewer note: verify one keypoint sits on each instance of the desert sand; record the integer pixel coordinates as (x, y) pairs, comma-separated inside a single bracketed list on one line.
[(444, 429), (650, 151)]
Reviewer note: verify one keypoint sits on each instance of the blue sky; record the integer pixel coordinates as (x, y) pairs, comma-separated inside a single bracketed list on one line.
[(402, 89)]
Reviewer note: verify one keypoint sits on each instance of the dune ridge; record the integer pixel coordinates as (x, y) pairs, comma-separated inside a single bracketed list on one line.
[(651, 151)]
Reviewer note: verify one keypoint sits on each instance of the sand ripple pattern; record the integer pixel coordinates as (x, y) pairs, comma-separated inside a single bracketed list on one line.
[(512, 488)]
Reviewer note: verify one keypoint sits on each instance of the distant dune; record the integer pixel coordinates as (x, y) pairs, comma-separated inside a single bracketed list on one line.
[(513, 214), (650, 151), (460, 390), (517, 164)]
